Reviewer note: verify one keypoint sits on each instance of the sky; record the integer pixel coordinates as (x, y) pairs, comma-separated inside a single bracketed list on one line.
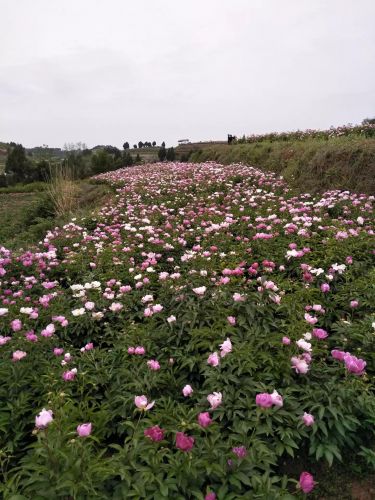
[(105, 72)]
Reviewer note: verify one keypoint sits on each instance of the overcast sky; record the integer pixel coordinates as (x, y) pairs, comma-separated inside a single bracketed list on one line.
[(106, 71)]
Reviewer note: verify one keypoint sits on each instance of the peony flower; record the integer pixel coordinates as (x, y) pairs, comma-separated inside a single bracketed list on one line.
[(325, 287), (308, 419), (141, 403), (306, 482), (277, 400), (69, 375), (16, 325), (115, 307), (139, 350), (237, 297), (215, 399), (84, 430), (354, 364), (155, 433), (225, 348), (200, 290), (204, 419), (264, 400), (302, 344), (319, 333), (240, 451), (4, 340), (153, 365), (299, 365), (286, 340), (187, 391), (44, 418), (210, 496), (354, 304), (338, 354), (58, 351), (184, 442), (171, 319), (18, 355), (231, 320), (213, 359)]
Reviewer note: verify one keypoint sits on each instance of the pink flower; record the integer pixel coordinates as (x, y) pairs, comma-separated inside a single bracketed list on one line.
[(141, 403), (325, 287), (171, 319), (213, 359), (89, 305), (155, 433), (231, 320), (4, 340), (237, 297), (306, 482), (308, 419), (153, 365), (286, 340), (16, 325), (310, 319), (58, 351), (48, 331), (89, 346), (338, 354), (200, 290), (69, 375), (354, 304), (277, 400), (187, 391), (240, 451), (18, 355), (139, 350), (210, 496), (225, 348), (115, 307), (299, 365), (264, 400), (204, 419), (215, 399), (44, 418), (354, 364), (319, 333), (184, 442), (84, 430), (131, 350)]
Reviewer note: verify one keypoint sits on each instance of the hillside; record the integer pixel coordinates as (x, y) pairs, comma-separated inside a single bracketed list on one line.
[(313, 164)]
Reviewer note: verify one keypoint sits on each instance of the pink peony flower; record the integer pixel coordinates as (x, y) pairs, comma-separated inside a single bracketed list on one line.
[(18, 355), (44, 418), (139, 350), (319, 333), (325, 287), (299, 365), (286, 340), (264, 400), (308, 419), (306, 482), (338, 354), (210, 496), (84, 430), (142, 403), (237, 297), (213, 359), (155, 433), (277, 400), (58, 351), (215, 399), (310, 319), (89, 346), (4, 340), (225, 348), (204, 419), (153, 365), (240, 451), (16, 325), (187, 391), (200, 290), (231, 320), (354, 364), (69, 375), (354, 304), (183, 442)]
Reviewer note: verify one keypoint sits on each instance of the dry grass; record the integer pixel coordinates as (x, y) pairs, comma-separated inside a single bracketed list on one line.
[(62, 189)]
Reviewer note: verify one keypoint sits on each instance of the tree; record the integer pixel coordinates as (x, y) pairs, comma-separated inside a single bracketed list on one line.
[(140, 144), (17, 165), (162, 153), (163, 144), (125, 145), (368, 121), (135, 146), (153, 143), (170, 154)]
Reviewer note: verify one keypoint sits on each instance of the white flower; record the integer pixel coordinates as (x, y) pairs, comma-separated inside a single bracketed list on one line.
[(302, 344), (171, 319), (26, 310), (78, 312), (3, 311), (200, 290)]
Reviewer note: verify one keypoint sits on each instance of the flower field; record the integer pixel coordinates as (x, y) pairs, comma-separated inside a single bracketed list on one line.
[(207, 334)]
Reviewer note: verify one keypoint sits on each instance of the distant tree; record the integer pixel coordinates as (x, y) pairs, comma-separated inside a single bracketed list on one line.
[(17, 165), (163, 144), (135, 146), (368, 121), (153, 143), (170, 156), (102, 161), (125, 145), (162, 153), (140, 144), (112, 150)]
